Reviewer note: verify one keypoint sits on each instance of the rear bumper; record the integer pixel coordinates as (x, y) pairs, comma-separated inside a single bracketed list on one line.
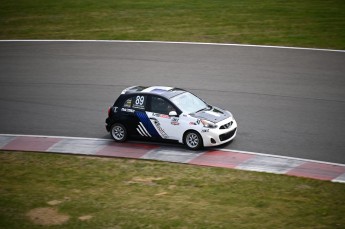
[(108, 124)]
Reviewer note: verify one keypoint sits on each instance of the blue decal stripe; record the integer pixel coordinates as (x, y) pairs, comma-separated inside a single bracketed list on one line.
[(144, 119)]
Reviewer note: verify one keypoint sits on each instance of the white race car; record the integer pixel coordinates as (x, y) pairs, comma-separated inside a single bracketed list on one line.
[(169, 113)]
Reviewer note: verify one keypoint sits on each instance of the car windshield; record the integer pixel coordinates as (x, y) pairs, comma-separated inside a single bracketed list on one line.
[(189, 103)]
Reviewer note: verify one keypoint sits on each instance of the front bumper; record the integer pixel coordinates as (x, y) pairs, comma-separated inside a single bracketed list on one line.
[(214, 137)]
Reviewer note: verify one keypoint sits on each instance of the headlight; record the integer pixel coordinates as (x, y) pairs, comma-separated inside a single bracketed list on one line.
[(208, 124)]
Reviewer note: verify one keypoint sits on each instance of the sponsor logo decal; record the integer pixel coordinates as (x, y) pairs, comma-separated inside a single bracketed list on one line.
[(198, 121), (160, 129), (127, 110), (128, 103), (174, 121), (160, 115)]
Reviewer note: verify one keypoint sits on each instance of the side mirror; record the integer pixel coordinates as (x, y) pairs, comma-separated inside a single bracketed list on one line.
[(172, 113)]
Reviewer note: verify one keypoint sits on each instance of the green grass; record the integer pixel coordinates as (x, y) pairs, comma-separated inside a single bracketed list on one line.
[(307, 23), (121, 193)]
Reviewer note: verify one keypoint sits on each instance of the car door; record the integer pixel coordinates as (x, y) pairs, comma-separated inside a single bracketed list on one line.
[(137, 118), (158, 112), (131, 111)]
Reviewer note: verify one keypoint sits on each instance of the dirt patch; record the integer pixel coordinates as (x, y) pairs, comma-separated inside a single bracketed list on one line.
[(146, 180), (47, 216), (85, 217), (57, 202), (54, 202), (161, 194)]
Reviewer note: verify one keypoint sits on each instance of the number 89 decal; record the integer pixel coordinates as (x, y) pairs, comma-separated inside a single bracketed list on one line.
[(139, 102)]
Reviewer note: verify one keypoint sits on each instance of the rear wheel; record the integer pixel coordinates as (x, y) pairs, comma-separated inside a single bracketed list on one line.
[(118, 132), (193, 140)]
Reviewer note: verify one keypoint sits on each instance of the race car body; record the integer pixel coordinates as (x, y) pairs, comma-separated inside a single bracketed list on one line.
[(168, 113)]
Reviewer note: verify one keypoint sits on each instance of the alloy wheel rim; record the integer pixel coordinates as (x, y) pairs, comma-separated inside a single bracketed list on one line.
[(192, 140), (118, 133)]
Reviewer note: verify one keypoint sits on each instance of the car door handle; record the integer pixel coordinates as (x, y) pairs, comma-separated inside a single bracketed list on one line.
[(153, 119)]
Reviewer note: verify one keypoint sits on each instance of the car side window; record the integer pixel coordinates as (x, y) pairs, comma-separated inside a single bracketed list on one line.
[(128, 103), (160, 105), (137, 102)]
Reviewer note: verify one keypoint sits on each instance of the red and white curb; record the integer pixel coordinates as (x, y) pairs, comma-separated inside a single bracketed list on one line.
[(216, 157)]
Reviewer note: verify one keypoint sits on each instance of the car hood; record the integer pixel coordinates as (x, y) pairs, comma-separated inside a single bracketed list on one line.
[(213, 114)]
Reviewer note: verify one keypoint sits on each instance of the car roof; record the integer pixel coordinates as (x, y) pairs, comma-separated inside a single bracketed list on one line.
[(167, 92)]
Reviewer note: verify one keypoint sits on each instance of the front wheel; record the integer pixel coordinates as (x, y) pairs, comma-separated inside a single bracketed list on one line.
[(193, 140), (118, 132)]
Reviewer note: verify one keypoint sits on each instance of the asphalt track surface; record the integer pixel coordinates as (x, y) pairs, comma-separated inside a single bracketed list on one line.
[(288, 102)]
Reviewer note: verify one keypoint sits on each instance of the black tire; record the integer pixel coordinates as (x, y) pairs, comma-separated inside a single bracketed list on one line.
[(118, 132), (193, 140)]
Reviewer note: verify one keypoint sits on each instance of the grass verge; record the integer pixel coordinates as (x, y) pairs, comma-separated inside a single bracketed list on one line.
[(308, 23), (64, 191)]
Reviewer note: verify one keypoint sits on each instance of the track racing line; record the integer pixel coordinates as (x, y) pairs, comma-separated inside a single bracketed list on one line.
[(224, 158)]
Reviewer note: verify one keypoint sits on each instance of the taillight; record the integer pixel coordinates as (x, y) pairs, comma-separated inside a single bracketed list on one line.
[(109, 109)]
